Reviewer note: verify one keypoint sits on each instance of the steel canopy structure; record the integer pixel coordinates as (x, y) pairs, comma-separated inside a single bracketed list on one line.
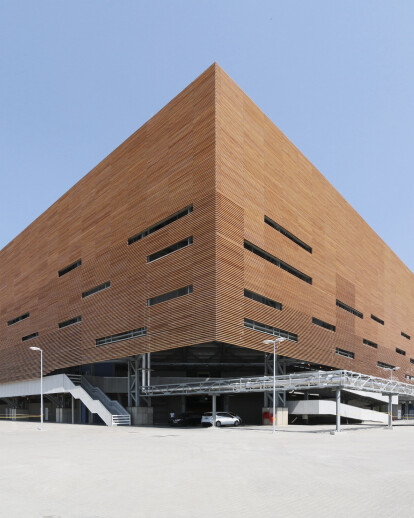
[(335, 380), (340, 379)]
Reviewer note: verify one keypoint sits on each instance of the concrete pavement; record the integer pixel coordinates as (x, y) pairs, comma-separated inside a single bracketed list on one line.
[(75, 471)]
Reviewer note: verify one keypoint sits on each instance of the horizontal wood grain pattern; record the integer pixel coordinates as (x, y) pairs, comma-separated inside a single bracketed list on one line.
[(213, 148), (168, 164), (261, 173)]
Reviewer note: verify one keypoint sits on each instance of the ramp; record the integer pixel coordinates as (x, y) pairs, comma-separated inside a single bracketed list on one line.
[(373, 396), (326, 407)]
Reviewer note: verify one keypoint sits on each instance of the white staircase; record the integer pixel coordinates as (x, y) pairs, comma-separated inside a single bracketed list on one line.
[(111, 412), (97, 402)]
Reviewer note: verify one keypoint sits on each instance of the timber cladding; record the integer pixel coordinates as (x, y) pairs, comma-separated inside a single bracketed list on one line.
[(166, 166), (213, 150), (260, 173)]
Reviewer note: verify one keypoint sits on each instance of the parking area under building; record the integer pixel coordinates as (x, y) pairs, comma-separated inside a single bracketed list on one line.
[(146, 389)]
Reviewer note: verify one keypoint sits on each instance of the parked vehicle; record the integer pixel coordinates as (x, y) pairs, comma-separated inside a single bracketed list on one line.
[(222, 419), (185, 419)]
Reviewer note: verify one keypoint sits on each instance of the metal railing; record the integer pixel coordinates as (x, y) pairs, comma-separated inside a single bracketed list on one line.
[(119, 415), (76, 379), (296, 381)]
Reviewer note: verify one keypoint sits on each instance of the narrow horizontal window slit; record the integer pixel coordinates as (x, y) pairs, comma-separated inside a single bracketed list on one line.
[(69, 268), (344, 352), (277, 262), (263, 300), (170, 295), (70, 322), (350, 309), (379, 320), (29, 337), (120, 337), (18, 319), (288, 234), (96, 289), (270, 330), (321, 323), (170, 249), (161, 224), (371, 344)]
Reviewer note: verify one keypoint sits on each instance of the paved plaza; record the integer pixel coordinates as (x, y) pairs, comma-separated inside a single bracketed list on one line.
[(75, 471)]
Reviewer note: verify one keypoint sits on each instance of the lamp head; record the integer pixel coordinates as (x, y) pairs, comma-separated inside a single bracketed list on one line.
[(276, 340), (396, 368), (35, 348)]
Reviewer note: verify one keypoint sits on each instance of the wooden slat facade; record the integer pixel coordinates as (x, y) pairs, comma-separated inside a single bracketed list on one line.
[(260, 172), (213, 148), (168, 164)]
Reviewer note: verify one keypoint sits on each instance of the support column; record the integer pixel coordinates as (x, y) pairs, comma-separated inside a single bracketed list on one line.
[(281, 370), (214, 409), (73, 410), (148, 369), (266, 399), (129, 384), (136, 386), (144, 370), (338, 410), (133, 381), (390, 411), (149, 375)]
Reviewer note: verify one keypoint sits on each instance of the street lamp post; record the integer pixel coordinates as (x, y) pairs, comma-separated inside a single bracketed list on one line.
[(41, 384), (394, 369), (390, 399), (276, 340)]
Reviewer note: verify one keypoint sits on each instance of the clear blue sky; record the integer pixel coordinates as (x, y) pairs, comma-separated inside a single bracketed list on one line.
[(336, 76)]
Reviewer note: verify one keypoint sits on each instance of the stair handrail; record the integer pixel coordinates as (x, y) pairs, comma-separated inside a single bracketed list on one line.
[(112, 405), (76, 379)]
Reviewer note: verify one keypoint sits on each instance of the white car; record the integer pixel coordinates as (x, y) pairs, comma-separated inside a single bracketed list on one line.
[(222, 419)]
